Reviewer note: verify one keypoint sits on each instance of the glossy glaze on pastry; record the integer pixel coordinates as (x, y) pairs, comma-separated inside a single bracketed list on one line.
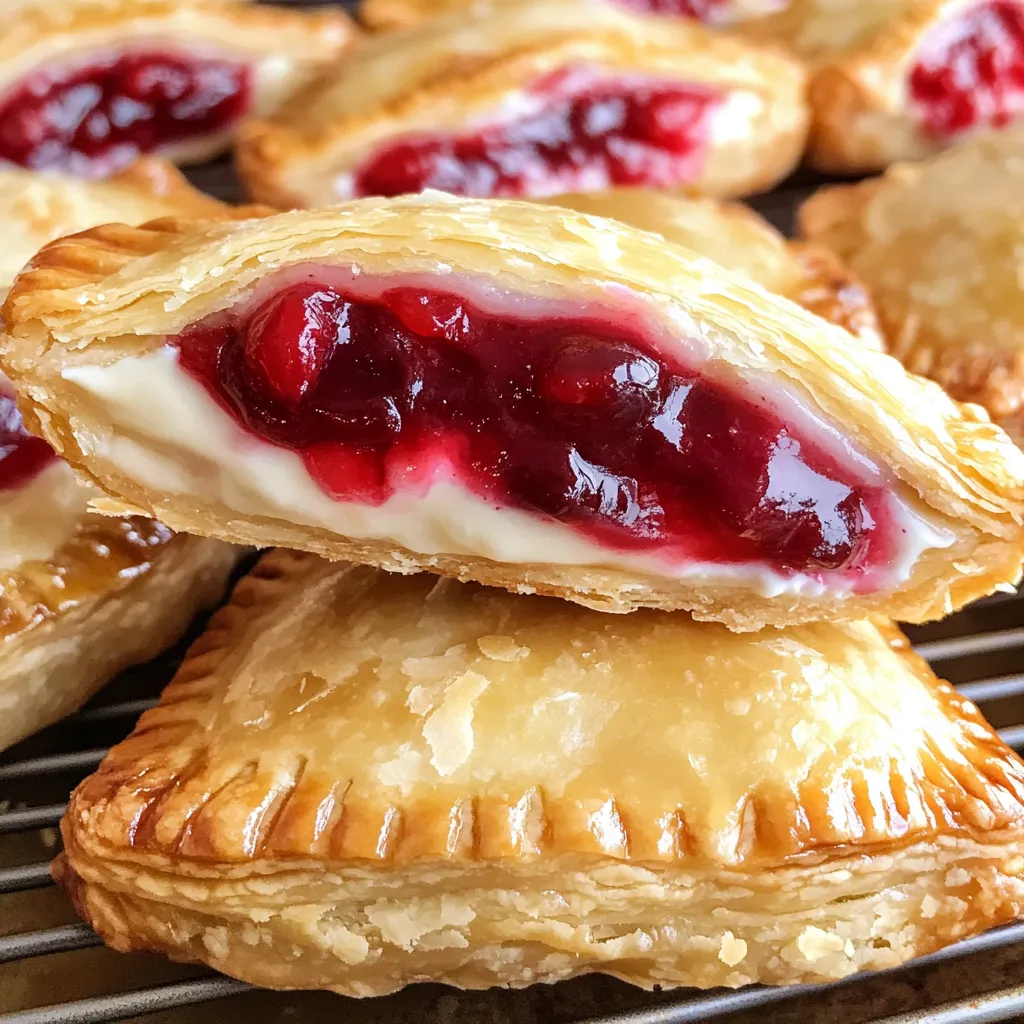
[(902, 81), (939, 243), (513, 393), (82, 596), (88, 86), (535, 98), (359, 780), (736, 237)]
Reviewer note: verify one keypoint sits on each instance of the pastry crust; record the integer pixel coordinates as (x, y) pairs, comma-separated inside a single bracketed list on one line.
[(357, 781), (465, 66), (286, 48), (733, 235), (105, 301), (938, 243)]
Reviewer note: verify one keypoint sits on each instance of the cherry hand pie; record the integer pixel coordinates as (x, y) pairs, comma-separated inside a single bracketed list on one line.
[(533, 98), (360, 780), (735, 236), (900, 81), (88, 85), (939, 244), (82, 596), (513, 393)]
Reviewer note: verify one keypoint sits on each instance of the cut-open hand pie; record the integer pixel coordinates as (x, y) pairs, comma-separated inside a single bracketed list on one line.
[(899, 81), (533, 98), (739, 239), (359, 780), (514, 393), (390, 14), (88, 85), (82, 596), (939, 244)]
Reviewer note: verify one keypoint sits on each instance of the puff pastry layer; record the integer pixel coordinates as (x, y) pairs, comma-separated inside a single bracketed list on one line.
[(535, 98), (739, 239), (357, 781), (167, 76), (876, 492), (938, 244), (83, 596)]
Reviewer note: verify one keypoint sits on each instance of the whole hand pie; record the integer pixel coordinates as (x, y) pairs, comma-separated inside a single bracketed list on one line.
[(82, 596), (939, 243), (735, 236), (533, 98), (88, 85), (513, 393), (358, 780), (900, 81), (389, 14)]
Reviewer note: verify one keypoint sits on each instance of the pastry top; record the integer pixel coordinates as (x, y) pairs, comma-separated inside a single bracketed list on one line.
[(119, 291), (340, 712), (940, 245), (733, 235)]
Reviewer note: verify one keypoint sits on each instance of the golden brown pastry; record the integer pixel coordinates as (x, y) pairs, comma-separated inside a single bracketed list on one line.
[(358, 780), (533, 98), (733, 235), (939, 245), (390, 14), (513, 393), (88, 85), (902, 80), (82, 596)]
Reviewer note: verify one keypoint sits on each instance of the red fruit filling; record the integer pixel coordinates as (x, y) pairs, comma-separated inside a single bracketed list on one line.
[(701, 10), (579, 131), (22, 456), (573, 418), (92, 120), (970, 70)]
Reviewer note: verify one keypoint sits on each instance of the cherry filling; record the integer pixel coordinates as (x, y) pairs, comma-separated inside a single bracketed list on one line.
[(578, 130), (970, 70), (576, 419), (22, 456), (701, 10), (92, 120)]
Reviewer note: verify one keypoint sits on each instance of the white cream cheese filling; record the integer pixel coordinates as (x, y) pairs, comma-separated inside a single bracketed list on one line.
[(170, 435)]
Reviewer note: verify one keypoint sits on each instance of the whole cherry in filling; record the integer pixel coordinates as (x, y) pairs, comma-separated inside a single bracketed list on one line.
[(969, 70), (573, 418), (22, 456), (578, 130), (701, 10), (91, 120)]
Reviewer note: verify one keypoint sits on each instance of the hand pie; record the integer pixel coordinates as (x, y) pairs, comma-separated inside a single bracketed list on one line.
[(735, 236), (902, 81), (534, 97), (512, 393), (389, 14), (357, 781), (82, 596), (939, 243), (88, 85)]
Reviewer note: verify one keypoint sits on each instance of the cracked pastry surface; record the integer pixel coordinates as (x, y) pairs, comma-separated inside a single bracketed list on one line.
[(87, 86), (903, 80), (739, 239), (359, 780), (567, 405), (83, 596), (938, 245), (535, 98)]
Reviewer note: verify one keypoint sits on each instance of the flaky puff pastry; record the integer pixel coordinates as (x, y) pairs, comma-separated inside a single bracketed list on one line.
[(83, 596), (471, 68), (939, 244), (733, 235), (284, 49), (91, 343), (357, 781)]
